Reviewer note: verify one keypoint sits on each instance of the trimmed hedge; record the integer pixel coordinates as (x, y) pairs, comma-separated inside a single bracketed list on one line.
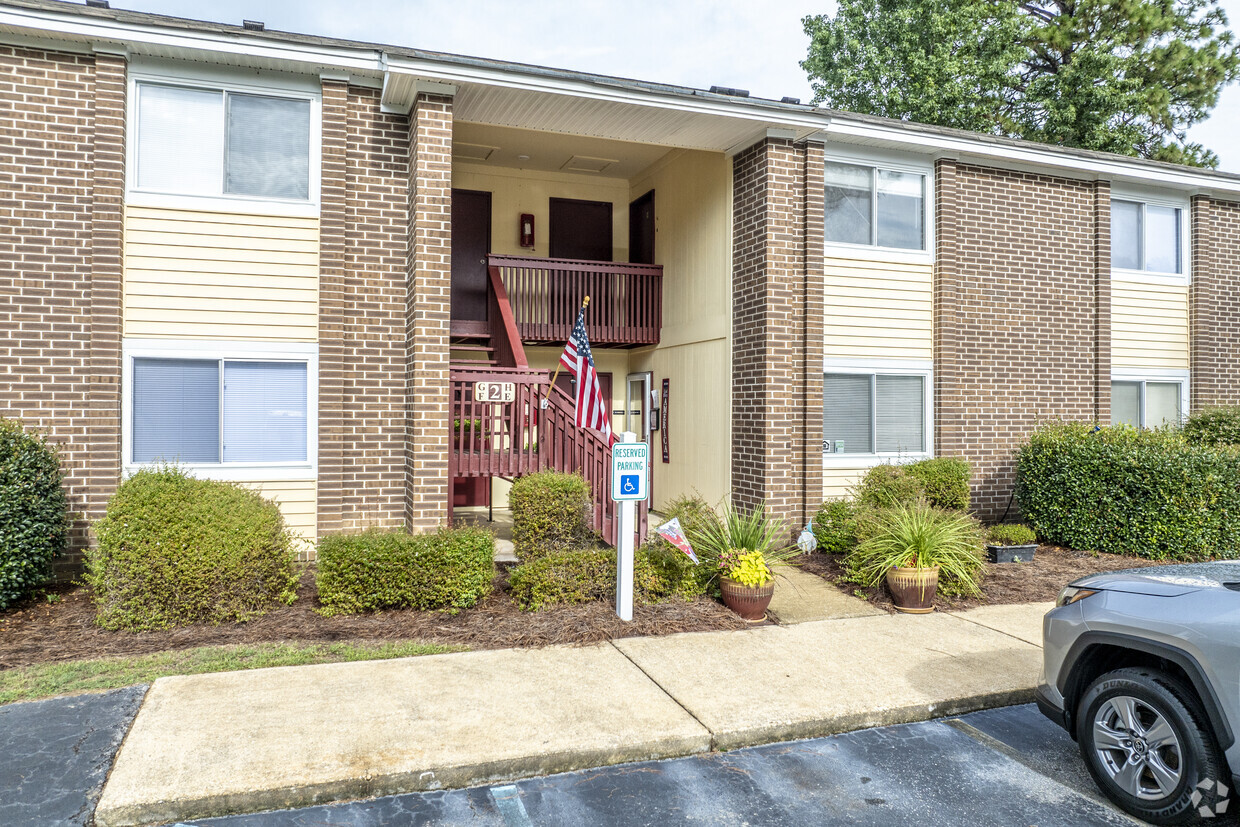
[(1011, 534), (176, 550), (1148, 493), (1214, 426), (835, 526), (450, 569), (946, 481), (579, 576), (550, 513), (34, 513), (886, 486)]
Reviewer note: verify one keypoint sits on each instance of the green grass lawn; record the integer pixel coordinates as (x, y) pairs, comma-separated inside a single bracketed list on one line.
[(43, 680)]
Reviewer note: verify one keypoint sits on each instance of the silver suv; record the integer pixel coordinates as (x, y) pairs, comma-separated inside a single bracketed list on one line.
[(1142, 667)]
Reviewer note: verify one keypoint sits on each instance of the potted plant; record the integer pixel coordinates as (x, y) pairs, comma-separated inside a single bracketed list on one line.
[(742, 546), (1012, 543), (912, 548)]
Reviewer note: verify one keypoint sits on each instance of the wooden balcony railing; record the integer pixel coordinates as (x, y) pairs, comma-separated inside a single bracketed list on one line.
[(515, 438), (626, 300)]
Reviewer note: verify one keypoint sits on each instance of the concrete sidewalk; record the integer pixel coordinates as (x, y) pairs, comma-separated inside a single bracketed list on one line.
[(289, 737)]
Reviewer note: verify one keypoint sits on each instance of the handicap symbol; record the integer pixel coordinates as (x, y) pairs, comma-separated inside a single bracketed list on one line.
[(628, 484)]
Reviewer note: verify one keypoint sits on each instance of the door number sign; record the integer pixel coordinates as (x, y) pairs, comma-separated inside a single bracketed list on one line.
[(495, 391), (630, 471)]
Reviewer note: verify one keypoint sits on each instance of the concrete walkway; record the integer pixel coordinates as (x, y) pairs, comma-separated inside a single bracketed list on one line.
[(294, 736)]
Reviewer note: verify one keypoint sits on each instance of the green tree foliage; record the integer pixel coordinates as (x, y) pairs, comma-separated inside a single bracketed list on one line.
[(1126, 76)]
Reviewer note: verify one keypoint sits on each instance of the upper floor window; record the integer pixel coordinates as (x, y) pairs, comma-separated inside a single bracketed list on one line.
[(1146, 236), (876, 207), (215, 142)]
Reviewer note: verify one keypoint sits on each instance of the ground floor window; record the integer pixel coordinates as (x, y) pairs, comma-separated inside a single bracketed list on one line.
[(221, 406), (876, 412), (1148, 401)]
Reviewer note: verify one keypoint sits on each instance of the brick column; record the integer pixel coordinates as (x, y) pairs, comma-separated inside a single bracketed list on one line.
[(1102, 302), (815, 323), (332, 297), (103, 417), (428, 312), (1205, 383), (768, 329), (948, 411)]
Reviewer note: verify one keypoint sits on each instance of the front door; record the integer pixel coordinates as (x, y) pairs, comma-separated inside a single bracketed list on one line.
[(471, 242), (580, 229), (641, 229)]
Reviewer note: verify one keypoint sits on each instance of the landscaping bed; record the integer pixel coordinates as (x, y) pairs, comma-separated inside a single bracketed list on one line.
[(1052, 568), (39, 631)]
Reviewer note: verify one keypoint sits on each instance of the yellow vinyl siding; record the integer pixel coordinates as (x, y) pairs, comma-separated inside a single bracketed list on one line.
[(1149, 325), (878, 309), (298, 501), (837, 483), (208, 275)]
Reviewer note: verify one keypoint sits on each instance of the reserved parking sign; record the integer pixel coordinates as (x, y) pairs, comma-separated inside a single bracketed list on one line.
[(630, 470)]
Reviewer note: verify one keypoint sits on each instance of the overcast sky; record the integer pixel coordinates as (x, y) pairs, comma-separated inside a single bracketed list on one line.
[(698, 43)]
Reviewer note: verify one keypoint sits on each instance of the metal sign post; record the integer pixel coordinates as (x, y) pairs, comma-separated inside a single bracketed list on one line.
[(630, 472)]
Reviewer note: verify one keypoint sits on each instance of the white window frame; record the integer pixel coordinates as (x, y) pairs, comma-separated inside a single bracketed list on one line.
[(890, 367), (268, 84), (890, 162), (1156, 198), (1156, 375), (304, 353)]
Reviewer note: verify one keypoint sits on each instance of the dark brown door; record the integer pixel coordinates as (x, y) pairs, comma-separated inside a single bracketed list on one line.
[(568, 384), (641, 230), (580, 229), (471, 242)]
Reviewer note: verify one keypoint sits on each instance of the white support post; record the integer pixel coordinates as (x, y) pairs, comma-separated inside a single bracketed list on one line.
[(624, 550)]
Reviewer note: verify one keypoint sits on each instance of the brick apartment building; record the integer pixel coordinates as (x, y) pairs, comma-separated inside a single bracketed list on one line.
[(290, 261)]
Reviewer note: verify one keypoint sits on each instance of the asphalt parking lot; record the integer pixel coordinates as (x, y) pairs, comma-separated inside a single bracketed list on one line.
[(1005, 766)]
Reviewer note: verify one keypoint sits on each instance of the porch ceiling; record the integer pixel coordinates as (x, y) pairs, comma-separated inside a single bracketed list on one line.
[(550, 151)]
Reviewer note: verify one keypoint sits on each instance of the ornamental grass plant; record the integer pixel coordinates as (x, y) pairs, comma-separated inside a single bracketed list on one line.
[(919, 536)]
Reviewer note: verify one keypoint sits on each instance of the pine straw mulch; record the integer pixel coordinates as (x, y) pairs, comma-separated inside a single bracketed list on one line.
[(38, 631), (1052, 568)]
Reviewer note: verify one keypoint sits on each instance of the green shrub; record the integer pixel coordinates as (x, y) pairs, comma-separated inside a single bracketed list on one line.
[(1214, 426), (176, 550), (578, 576), (886, 486), (946, 481), (450, 569), (920, 536), (835, 526), (33, 511), (1143, 492), (1012, 534), (677, 575), (550, 513), (742, 530)]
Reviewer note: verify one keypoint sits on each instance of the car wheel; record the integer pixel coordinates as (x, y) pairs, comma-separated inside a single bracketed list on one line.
[(1148, 746)]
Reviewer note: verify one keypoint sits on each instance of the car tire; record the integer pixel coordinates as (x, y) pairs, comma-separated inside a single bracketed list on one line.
[(1148, 745)]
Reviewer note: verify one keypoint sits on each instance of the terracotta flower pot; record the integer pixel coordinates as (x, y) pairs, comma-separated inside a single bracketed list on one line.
[(749, 602), (912, 590)]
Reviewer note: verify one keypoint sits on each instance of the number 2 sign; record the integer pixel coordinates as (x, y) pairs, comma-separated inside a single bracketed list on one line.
[(495, 391)]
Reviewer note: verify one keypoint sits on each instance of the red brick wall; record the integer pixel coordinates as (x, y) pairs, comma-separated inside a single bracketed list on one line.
[(61, 186), (362, 312), (1214, 303), (1022, 328), (771, 354)]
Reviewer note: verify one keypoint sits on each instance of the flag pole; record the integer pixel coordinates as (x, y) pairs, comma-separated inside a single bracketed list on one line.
[(584, 304)]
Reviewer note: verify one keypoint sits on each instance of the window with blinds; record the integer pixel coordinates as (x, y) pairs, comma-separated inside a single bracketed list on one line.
[(1146, 404), (866, 413), (216, 143), (200, 411)]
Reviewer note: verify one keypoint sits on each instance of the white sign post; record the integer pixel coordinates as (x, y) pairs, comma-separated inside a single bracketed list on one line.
[(630, 471)]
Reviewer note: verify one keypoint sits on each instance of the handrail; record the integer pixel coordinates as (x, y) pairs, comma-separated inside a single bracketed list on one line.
[(505, 338), (626, 305), (516, 438)]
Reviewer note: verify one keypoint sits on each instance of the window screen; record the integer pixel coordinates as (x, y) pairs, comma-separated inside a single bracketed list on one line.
[(180, 139), (176, 410), (900, 210), (264, 412), (268, 147), (847, 412), (1126, 235), (899, 414), (1162, 239), (849, 201)]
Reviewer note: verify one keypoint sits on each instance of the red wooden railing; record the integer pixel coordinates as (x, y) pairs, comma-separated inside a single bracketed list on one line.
[(505, 337), (626, 306), (515, 438)]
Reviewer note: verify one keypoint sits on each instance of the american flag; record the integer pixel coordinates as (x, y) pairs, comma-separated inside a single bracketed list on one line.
[(592, 409)]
